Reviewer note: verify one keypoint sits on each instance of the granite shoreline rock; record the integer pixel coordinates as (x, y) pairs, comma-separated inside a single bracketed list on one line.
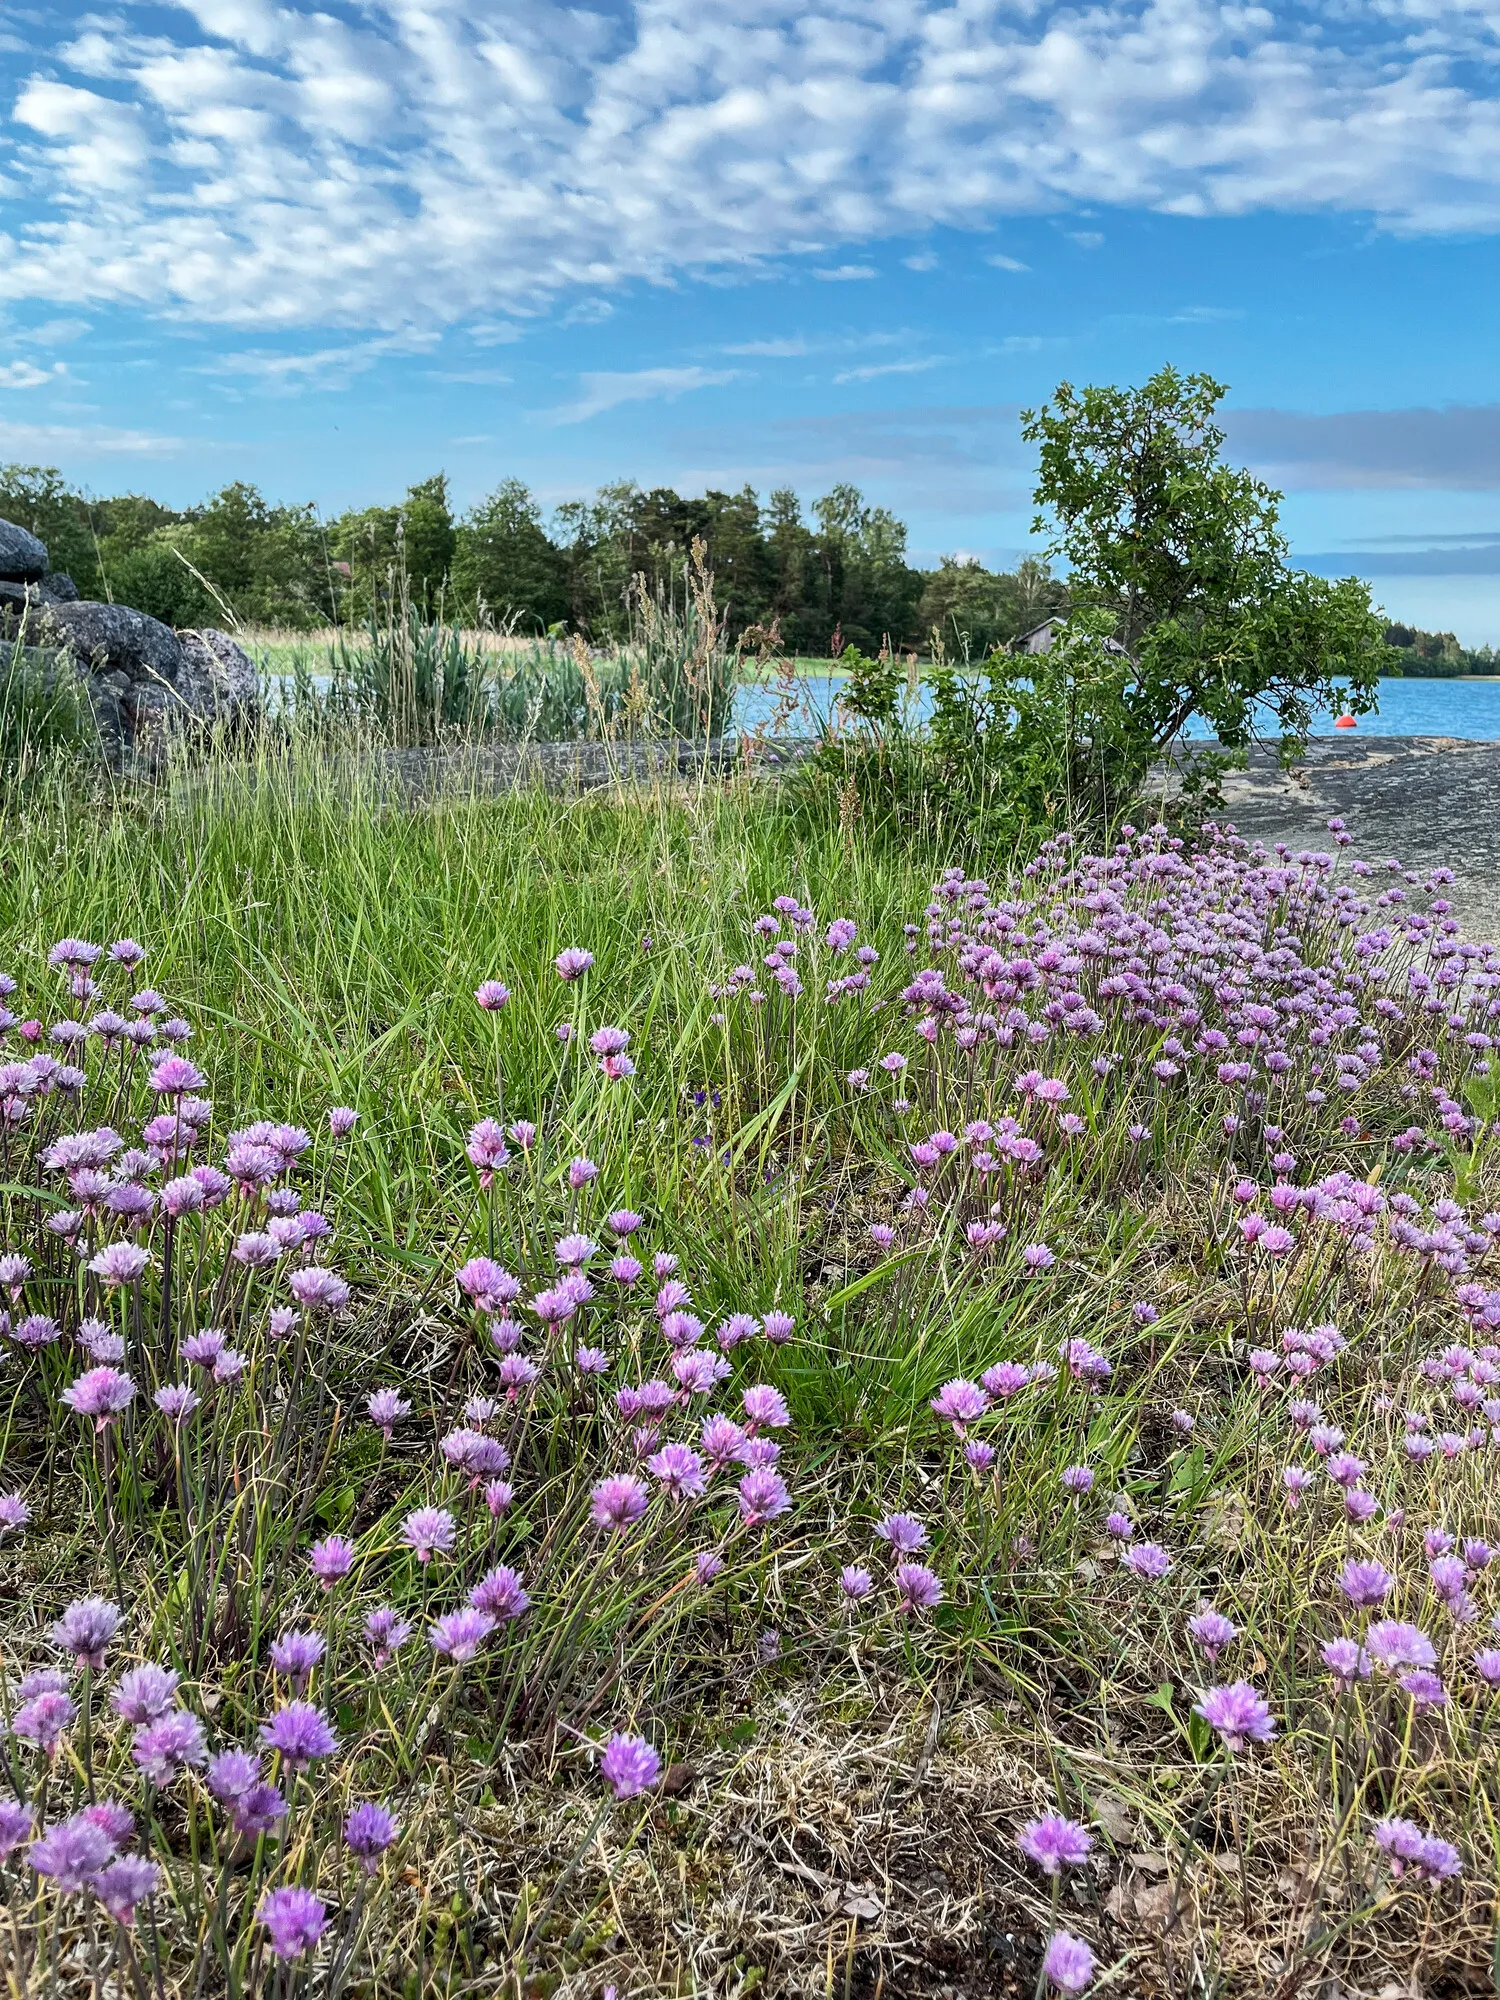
[(145, 683)]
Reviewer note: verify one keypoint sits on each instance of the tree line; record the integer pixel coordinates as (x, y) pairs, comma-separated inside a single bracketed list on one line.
[(835, 576)]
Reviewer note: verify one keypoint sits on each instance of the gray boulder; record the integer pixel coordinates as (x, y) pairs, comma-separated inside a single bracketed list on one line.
[(53, 588), (219, 679), (22, 556), (111, 637)]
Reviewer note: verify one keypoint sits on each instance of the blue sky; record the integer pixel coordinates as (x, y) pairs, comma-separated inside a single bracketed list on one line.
[(332, 249)]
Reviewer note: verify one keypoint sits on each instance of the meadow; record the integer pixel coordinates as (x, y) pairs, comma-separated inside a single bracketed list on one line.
[(631, 1394)]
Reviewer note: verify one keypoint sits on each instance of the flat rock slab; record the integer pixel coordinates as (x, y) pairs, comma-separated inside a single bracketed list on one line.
[(1427, 801)]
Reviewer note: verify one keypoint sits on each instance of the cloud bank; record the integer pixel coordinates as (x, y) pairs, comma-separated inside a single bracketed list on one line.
[(426, 162)]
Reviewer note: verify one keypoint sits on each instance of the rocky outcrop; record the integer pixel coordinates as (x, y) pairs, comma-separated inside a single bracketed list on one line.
[(145, 683)]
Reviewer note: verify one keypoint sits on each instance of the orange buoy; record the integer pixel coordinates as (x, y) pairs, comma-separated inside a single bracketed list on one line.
[(1346, 722)]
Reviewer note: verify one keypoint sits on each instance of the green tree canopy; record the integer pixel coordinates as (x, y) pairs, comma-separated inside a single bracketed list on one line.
[(1186, 554)]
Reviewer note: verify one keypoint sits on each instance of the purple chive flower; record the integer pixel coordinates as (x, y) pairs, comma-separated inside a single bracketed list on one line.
[(629, 1765), (386, 1632), (232, 1775), (301, 1733), (498, 1494), (144, 1693), (295, 1919), (35, 1332), (1148, 1559), (904, 1533), (168, 1745), (86, 1628), (1037, 1257), (1054, 1843), (16, 1822), (679, 1471), (706, 1567), (1211, 1630), (342, 1120), (1394, 1646), (778, 1328), (500, 1594), (317, 1289), (42, 1718), (1406, 1846), (368, 1832), (71, 1853), (331, 1559), (959, 1403), (1077, 1480), (762, 1496), (258, 1811), (625, 1270), (573, 963), (618, 1503), (1005, 1379), (1238, 1713), (590, 1360), (581, 1172), (386, 1409), (175, 1401), (917, 1589), (1067, 1963), (117, 1820), (491, 995), (855, 1582), (120, 1263), (295, 1654), (1347, 1661), (765, 1408), (429, 1531), (623, 1221), (100, 1393), (458, 1635), (1425, 1689), (128, 1880), (1365, 1583), (1487, 1666)]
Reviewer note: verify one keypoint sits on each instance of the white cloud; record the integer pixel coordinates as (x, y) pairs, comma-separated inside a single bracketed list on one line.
[(844, 274), (26, 374), (870, 373), (923, 261), (49, 333), (406, 163), (1002, 263), (325, 367), (606, 391), (42, 440), (773, 350)]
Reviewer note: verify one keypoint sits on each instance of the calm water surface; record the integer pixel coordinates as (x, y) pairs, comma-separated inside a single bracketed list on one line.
[(1466, 708)]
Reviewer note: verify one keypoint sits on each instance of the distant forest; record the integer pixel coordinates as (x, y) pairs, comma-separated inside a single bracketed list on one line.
[(835, 577)]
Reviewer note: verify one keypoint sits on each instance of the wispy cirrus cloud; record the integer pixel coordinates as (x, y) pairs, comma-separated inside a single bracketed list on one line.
[(244, 163), (874, 369), (44, 441), (607, 389)]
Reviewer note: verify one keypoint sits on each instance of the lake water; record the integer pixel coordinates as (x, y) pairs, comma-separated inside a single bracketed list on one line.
[(1464, 708)]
